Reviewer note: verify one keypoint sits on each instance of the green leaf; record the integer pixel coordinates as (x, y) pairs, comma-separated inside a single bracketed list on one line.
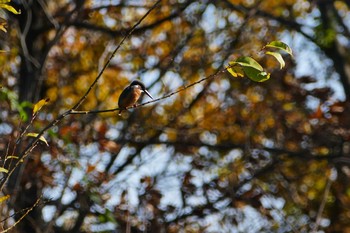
[(108, 216), (256, 75), (250, 67), (22, 109), (9, 8), (39, 105), (4, 198), (41, 138), (248, 62), (13, 99), (4, 170), (280, 45), (278, 57)]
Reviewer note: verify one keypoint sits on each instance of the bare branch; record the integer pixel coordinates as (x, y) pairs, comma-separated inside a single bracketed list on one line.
[(23, 216), (34, 142), (112, 32), (82, 99), (154, 100), (323, 204)]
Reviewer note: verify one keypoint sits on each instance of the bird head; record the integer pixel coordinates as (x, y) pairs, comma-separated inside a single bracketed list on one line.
[(138, 84)]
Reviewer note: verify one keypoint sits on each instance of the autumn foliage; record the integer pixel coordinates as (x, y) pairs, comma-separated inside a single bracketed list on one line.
[(249, 130)]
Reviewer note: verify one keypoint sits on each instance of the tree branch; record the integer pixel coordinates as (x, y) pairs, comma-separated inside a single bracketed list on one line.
[(32, 144)]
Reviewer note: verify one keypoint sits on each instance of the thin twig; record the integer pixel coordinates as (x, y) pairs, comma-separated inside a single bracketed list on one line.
[(73, 112), (323, 204), (23, 35), (82, 99), (34, 142), (48, 14), (23, 216)]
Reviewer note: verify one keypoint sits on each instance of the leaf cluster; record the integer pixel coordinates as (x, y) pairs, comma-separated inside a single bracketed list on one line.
[(267, 153)]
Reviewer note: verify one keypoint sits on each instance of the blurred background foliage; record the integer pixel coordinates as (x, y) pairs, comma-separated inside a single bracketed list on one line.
[(226, 155)]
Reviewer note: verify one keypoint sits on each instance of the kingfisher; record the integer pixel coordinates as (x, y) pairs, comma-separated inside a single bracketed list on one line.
[(131, 94)]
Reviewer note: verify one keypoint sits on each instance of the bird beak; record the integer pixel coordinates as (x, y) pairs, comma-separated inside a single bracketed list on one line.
[(148, 94)]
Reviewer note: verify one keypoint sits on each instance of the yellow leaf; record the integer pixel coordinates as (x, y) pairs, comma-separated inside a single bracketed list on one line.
[(278, 57), (4, 198), (2, 27), (4, 170), (41, 138), (235, 71), (39, 105), (9, 8), (13, 157), (280, 45)]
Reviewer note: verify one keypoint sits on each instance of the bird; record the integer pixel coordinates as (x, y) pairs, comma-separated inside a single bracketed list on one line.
[(131, 94)]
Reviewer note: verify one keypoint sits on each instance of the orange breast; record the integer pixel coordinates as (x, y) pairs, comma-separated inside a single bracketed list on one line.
[(129, 97)]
